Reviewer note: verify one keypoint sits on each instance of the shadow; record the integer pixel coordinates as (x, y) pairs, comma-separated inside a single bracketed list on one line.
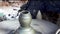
[(38, 32), (11, 32)]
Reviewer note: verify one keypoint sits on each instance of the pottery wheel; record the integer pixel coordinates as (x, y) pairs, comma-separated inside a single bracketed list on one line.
[(40, 26)]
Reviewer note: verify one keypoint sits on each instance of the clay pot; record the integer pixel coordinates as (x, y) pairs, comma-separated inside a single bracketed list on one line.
[(25, 21)]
